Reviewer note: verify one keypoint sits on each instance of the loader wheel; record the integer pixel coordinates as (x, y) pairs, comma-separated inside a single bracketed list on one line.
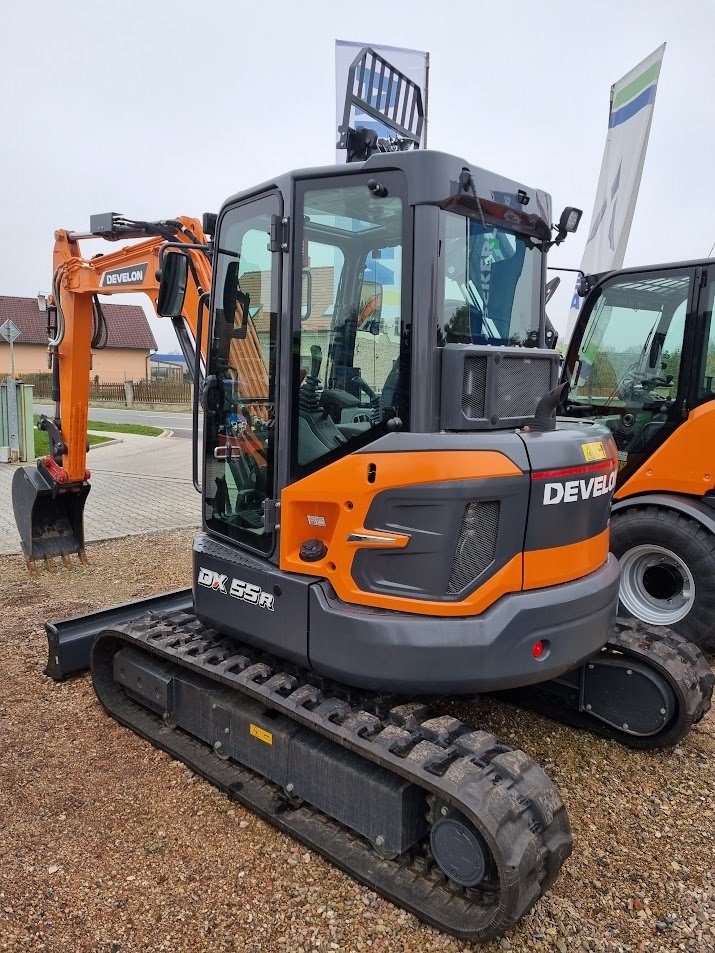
[(667, 571)]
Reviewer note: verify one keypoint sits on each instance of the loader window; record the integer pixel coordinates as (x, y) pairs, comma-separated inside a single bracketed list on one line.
[(492, 285), (239, 400), (706, 381), (349, 348), (627, 369)]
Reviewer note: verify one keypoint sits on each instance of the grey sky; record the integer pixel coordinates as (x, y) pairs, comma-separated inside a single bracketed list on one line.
[(155, 109)]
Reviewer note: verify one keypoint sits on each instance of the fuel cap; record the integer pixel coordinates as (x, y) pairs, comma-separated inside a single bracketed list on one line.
[(312, 550)]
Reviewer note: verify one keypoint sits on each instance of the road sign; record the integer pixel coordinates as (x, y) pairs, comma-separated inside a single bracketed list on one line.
[(10, 331)]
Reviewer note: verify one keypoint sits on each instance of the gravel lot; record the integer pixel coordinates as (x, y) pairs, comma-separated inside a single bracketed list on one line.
[(109, 845)]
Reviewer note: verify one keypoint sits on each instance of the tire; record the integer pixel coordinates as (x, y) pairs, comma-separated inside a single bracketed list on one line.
[(667, 571)]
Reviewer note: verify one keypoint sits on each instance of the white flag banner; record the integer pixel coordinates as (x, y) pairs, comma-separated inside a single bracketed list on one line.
[(629, 120), (413, 63)]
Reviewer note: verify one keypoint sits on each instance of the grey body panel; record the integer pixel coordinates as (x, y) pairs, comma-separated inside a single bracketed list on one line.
[(406, 653), (687, 505), (569, 521), (283, 629), (507, 442), (432, 515)]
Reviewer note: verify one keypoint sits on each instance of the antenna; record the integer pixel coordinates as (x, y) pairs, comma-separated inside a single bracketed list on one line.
[(377, 88)]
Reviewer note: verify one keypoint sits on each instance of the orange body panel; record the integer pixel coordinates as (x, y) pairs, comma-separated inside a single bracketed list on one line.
[(683, 464), (550, 567), (340, 495)]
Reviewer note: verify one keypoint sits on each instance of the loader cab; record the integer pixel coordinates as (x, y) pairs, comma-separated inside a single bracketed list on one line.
[(641, 355), (346, 302)]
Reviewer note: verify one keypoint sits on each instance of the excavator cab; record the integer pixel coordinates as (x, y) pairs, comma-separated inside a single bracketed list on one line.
[(379, 399)]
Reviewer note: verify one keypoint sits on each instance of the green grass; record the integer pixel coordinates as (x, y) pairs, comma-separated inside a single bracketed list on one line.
[(142, 429), (42, 442)]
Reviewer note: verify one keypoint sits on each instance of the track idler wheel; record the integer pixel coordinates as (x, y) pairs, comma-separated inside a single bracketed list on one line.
[(646, 689), (459, 849)]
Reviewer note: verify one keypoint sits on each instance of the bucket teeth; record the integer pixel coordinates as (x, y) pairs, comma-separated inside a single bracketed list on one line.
[(66, 561), (83, 557), (31, 566), (50, 564)]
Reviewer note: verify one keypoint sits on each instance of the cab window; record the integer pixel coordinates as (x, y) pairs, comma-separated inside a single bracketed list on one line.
[(350, 358)]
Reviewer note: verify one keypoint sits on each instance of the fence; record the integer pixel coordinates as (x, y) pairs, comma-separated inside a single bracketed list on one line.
[(162, 392), (145, 392)]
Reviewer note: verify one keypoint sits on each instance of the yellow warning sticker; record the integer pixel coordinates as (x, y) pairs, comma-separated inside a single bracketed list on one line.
[(261, 734), (594, 451)]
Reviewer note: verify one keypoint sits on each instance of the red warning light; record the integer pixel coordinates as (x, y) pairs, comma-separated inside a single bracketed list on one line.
[(538, 649)]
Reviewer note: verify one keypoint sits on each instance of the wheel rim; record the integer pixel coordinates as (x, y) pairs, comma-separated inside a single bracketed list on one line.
[(656, 585)]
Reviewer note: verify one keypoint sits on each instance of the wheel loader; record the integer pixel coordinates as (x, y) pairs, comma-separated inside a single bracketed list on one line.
[(389, 515), (641, 362)]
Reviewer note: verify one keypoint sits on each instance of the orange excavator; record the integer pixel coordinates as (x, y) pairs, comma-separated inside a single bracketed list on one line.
[(406, 521)]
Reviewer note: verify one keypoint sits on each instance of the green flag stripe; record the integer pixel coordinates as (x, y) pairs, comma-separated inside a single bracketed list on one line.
[(637, 85)]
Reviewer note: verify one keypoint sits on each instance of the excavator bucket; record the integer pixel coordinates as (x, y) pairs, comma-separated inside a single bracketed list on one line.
[(49, 516)]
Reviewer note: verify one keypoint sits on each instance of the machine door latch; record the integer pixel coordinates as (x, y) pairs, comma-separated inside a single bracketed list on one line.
[(271, 511), (279, 233)]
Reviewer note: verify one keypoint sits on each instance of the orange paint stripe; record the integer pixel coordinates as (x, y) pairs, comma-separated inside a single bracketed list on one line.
[(550, 567)]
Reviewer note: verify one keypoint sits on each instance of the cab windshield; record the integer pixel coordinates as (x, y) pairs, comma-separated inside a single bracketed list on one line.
[(492, 285)]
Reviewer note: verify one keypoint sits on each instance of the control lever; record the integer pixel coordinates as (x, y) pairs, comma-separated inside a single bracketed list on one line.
[(316, 359)]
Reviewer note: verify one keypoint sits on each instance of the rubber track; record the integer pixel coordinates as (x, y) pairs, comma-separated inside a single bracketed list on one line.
[(678, 661), (505, 794)]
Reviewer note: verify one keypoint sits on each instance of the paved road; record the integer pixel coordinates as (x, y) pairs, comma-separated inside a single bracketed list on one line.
[(180, 423), (140, 485)]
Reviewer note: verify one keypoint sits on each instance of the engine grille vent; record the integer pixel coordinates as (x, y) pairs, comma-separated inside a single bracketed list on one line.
[(476, 544), (500, 386), (474, 387), (521, 383)]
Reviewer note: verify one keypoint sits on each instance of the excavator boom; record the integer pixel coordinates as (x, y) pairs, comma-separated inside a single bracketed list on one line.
[(49, 498)]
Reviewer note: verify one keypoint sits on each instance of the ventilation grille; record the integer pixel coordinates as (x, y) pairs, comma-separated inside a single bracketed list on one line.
[(476, 544), (474, 387), (521, 383)]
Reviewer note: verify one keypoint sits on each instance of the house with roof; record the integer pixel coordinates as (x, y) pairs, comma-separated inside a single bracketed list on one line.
[(126, 356)]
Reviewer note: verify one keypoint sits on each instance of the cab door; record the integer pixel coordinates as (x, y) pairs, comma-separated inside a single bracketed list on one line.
[(240, 391)]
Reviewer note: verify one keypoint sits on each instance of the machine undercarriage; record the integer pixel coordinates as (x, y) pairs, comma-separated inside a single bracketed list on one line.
[(441, 819)]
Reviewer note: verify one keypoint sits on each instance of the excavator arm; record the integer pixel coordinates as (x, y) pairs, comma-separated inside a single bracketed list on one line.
[(49, 498)]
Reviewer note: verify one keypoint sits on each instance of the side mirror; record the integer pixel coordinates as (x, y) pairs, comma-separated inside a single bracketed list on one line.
[(172, 285), (235, 302)]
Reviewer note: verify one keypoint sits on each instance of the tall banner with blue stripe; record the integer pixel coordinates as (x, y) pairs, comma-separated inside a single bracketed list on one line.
[(629, 119), (413, 63)]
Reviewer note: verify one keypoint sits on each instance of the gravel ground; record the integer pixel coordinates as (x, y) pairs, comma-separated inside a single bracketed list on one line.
[(109, 845)]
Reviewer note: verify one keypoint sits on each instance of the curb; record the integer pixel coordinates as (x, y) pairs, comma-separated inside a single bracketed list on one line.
[(107, 443)]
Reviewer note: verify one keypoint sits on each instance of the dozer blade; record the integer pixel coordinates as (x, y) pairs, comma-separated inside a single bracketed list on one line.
[(49, 516)]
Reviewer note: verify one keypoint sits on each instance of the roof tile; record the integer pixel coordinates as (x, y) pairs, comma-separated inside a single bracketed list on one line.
[(127, 325)]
